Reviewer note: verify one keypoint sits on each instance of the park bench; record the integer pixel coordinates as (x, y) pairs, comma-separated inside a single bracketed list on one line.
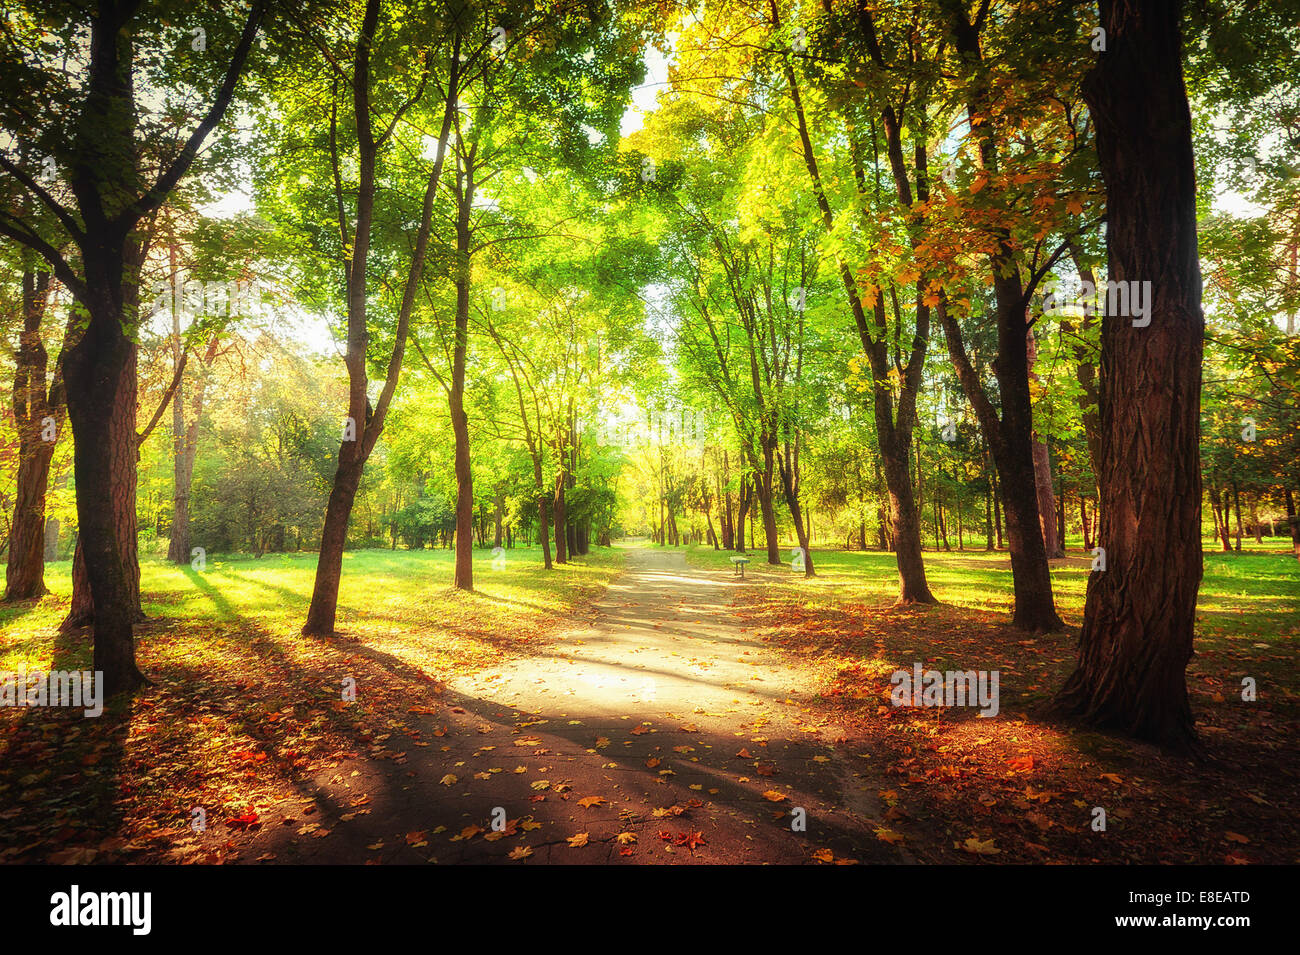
[(739, 563)]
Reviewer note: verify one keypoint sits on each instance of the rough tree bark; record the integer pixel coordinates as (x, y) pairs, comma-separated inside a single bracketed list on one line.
[(1139, 616), (38, 414)]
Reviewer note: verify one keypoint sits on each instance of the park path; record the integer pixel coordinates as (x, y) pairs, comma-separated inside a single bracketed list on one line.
[(690, 733)]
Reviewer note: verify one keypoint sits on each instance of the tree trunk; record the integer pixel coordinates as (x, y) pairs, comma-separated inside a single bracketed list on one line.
[(742, 511), (1292, 520), (1010, 438), (988, 503), (185, 446), (561, 519), (1236, 507), (365, 424), (790, 488), (122, 478), (37, 413), (1219, 506), (333, 540), (904, 514), (997, 510), (464, 575), (764, 489), (100, 381), (1140, 612), (544, 531), (1060, 520)]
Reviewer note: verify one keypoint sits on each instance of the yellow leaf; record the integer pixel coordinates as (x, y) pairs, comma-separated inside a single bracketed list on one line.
[(975, 847), (578, 841)]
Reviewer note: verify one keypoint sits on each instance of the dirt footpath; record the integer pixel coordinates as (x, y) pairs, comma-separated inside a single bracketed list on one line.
[(660, 731)]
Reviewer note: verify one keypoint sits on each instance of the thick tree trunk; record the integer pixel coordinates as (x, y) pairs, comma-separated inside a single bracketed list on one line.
[(334, 535), (904, 515), (100, 381), (122, 478), (1140, 612)]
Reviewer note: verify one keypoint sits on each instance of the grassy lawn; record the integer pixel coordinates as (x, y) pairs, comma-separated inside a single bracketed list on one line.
[(1252, 594), (1021, 777), (243, 708), (398, 602)]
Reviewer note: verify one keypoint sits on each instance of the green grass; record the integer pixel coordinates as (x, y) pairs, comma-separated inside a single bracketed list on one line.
[(400, 602), (1255, 593)]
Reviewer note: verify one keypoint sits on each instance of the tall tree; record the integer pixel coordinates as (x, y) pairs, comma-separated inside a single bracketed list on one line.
[(368, 95), (38, 414), (96, 116), (1140, 613)]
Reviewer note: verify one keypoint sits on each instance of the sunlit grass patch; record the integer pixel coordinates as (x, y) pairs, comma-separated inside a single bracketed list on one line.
[(244, 710)]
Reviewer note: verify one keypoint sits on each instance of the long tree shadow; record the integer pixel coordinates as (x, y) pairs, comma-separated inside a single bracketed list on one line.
[(61, 768)]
